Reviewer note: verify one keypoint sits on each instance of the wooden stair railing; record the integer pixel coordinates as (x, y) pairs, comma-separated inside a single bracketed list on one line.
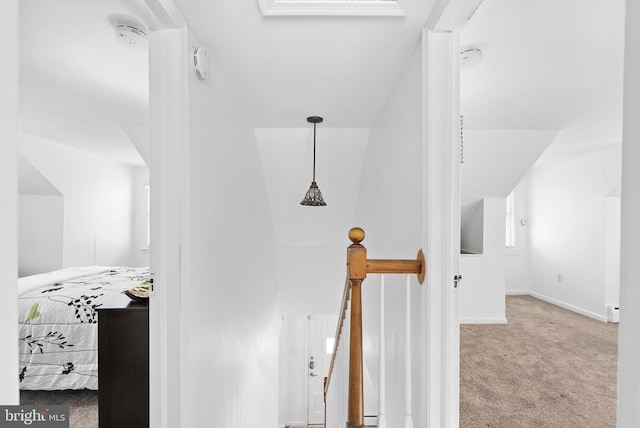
[(358, 266)]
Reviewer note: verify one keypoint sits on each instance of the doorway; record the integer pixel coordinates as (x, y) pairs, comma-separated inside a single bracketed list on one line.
[(320, 340), (83, 134)]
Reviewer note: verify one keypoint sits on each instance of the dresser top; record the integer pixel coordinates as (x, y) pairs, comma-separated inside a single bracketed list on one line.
[(122, 301)]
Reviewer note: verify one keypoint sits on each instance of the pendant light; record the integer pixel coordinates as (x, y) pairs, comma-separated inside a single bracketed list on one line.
[(313, 198)]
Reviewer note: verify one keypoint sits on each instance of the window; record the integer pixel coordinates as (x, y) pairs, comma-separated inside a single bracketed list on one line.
[(510, 240), (329, 346)]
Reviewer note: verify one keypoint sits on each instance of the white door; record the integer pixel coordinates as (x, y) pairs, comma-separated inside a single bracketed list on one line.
[(320, 336)]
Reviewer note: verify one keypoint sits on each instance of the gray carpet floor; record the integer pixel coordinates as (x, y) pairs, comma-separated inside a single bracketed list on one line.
[(83, 404), (548, 367)]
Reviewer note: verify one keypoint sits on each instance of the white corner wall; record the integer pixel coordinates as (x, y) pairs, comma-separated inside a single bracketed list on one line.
[(9, 393), (482, 289), (390, 212), (567, 229), (229, 332), (40, 233), (97, 202)]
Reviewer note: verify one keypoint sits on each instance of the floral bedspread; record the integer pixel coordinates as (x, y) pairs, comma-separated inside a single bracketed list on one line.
[(57, 322)]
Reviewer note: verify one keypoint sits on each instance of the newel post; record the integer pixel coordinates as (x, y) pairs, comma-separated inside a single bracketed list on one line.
[(357, 270)]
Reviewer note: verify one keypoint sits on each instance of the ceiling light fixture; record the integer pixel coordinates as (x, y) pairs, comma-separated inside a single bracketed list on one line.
[(313, 197)]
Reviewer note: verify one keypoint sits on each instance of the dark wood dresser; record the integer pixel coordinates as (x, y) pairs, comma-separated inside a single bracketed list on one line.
[(123, 364)]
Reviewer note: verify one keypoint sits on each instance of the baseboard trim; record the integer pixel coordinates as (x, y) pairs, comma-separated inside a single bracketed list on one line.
[(568, 306), (483, 320), (517, 293)]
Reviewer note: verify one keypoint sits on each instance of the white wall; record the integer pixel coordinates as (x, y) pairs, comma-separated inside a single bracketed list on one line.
[(612, 252), (97, 202), (567, 229), (40, 233), (482, 288), (229, 335), (517, 273), (293, 371), (390, 212), (40, 226), (9, 393), (320, 293), (139, 195)]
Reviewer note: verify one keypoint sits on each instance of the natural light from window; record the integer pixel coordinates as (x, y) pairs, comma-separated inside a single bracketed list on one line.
[(330, 342), (510, 241)]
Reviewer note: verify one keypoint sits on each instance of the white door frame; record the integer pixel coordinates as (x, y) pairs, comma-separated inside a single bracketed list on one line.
[(169, 157), (440, 391), (441, 166), (9, 389), (628, 347)]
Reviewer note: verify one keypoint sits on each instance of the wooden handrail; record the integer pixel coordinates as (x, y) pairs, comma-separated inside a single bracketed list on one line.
[(357, 268), (394, 266), (343, 311)]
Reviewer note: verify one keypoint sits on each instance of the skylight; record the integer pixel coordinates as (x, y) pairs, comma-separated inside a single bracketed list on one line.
[(331, 8)]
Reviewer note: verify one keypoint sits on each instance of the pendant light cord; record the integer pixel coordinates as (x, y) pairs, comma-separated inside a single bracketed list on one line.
[(314, 152)]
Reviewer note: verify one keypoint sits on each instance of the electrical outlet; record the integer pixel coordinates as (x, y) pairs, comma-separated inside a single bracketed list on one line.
[(560, 279)]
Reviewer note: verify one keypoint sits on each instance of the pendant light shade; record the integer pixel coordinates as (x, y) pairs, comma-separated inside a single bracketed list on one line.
[(313, 197)]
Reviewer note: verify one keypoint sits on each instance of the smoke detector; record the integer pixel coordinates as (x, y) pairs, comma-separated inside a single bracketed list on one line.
[(470, 55), (201, 63), (131, 35)]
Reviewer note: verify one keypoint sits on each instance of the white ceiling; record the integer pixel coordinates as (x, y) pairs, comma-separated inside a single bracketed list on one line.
[(547, 65), (78, 85), (288, 68)]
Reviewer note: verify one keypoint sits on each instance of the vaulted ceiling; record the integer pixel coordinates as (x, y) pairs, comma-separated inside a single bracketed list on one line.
[(79, 87), (547, 65), (286, 68)]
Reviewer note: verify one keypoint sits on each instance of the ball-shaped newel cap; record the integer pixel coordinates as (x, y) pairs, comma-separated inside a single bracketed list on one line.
[(356, 235)]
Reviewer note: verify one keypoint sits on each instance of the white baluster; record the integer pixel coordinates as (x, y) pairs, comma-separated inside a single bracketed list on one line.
[(408, 419), (382, 419)]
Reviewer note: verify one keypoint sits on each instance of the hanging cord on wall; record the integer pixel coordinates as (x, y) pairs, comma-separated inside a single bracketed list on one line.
[(461, 139)]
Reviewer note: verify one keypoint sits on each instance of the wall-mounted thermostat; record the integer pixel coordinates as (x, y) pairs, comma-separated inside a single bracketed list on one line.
[(201, 63)]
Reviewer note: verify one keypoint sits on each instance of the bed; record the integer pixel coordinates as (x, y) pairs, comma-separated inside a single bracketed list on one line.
[(57, 324)]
